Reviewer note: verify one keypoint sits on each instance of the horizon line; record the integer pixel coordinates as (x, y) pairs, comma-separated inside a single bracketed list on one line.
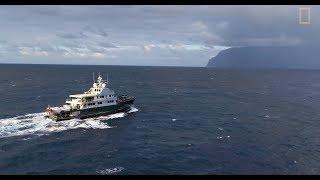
[(95, 65)]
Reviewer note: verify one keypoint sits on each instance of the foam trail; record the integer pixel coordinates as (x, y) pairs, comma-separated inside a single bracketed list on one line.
[(133, 109), (37, 124)]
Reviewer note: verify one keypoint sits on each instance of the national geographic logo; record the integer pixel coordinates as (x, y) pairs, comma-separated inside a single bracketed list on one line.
[(304, 15)]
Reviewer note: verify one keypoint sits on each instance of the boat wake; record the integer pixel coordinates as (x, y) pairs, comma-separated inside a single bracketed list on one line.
[(37, 124)]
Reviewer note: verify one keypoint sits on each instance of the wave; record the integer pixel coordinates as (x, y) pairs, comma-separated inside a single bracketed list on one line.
[(110, 171), (37, 124)]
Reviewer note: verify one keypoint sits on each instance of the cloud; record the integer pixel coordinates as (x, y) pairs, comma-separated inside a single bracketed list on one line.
[(98, 55), (274, 41), (82, 52), (199, 26), (96, 30), (106, 44), (35, 51), (148, 47), (174, 48), (138, 35), (66, 35)]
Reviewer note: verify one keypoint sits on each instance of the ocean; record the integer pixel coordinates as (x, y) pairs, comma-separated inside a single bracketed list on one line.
[(185, 120)]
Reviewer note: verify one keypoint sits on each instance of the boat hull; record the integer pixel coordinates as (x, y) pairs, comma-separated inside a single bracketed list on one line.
[(102, 111), (124, 106)]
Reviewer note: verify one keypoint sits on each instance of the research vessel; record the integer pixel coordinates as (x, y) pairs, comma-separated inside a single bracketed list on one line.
[(97, 101)]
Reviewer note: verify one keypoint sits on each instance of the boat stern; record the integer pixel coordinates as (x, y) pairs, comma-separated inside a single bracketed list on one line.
[(124, 99), (57, 113)]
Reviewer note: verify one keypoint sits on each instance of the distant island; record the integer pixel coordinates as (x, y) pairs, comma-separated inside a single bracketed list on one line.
[(295, 57)]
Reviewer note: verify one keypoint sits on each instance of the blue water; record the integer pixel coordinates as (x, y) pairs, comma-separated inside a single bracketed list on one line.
[(184, 121)]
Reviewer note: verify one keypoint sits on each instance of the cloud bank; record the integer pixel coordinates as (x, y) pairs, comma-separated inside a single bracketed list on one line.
[(145, 35)]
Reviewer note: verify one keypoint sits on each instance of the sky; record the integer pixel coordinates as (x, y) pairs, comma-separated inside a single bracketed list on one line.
[(149, 35)]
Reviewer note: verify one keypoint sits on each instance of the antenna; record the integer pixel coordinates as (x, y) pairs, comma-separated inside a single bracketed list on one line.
[(93, 76)]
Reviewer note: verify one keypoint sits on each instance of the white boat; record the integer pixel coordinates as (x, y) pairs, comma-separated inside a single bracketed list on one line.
[(98, 100)]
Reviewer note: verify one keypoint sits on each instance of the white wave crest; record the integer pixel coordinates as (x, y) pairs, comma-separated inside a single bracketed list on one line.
[(37, 124), (110, 171), (133, 109)]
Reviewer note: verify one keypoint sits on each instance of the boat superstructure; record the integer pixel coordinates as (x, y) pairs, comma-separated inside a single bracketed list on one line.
[(98, 100)]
